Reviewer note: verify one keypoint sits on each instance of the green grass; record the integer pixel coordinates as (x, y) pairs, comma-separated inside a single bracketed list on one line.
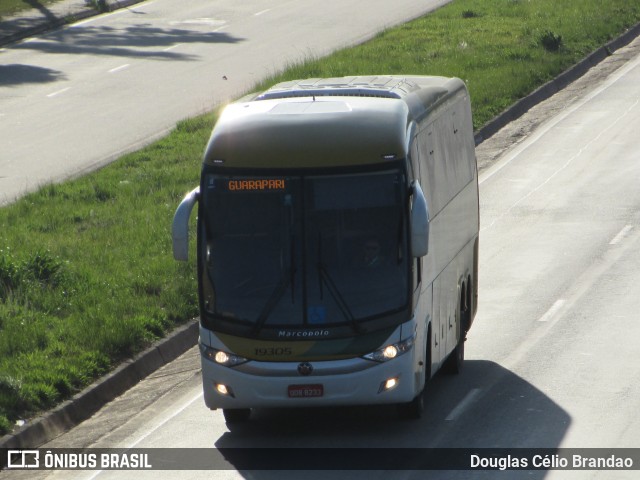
[(495, 46), (86, 272)]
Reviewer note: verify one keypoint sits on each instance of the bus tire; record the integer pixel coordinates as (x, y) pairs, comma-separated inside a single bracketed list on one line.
[(236, 415)]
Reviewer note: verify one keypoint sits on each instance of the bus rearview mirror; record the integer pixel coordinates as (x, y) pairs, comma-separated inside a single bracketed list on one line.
[(180, 226), (419, 223)]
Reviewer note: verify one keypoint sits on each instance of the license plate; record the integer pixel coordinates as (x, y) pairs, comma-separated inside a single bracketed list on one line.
[(306, 391)]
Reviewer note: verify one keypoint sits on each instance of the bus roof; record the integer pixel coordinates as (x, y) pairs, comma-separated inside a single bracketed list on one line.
[(326, 122)]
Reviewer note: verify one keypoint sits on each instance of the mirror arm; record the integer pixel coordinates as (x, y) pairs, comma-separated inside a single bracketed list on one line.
[(180, 226)]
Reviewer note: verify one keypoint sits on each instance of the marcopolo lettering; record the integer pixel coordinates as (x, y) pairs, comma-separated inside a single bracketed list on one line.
[(303, 333)]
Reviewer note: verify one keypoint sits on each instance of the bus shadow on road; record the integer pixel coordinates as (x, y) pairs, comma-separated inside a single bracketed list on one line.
[(484, 407)]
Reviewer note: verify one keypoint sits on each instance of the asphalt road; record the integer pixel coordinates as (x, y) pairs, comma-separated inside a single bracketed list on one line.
[(553, 359), (75, 99)]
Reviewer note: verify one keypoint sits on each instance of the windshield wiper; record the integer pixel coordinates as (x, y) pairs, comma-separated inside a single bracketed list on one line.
[(274, 299), (288, 278), (337, 296), (325, 278)]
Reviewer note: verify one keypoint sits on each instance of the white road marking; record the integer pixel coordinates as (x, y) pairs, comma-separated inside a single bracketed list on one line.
[(553, 310), (166, 419), (571, 297), (199, 21), (152, 430), (620, 236), (58, 92), (261, 12), (121, 67), (463, 405), (168, 49)]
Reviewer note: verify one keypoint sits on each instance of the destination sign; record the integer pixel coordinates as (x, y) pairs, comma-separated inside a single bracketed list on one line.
[(259, 185)]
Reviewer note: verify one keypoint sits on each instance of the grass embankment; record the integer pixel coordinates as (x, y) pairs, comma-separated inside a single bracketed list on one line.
[(86, 272)]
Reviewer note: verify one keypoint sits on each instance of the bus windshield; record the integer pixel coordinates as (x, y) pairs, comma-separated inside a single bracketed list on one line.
[(304, 251)]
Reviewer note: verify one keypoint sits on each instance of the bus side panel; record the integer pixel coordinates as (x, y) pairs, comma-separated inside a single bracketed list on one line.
[(452, 230), (446, 297), (449, 177)]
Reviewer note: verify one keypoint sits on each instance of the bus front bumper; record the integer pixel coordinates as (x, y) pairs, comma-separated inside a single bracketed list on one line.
[(264, 384)]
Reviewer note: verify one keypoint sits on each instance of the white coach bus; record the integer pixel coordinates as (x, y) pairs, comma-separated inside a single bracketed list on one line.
[(337, 243)]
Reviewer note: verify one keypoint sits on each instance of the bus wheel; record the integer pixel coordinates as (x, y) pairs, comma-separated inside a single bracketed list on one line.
[(413, 409), (236, 415)]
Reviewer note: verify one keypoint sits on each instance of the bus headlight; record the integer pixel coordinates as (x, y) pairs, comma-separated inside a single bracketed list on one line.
[(221, 357), (224, 390), (390, 352), (389, 384)]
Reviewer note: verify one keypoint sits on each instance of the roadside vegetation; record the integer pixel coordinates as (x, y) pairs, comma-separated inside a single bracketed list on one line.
[(87, 277)]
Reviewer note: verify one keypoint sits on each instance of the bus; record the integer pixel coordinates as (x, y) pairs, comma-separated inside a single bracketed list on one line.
[(337, 243)]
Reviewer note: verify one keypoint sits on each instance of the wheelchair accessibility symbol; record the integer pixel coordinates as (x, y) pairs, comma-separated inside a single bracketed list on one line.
[(317, 314)]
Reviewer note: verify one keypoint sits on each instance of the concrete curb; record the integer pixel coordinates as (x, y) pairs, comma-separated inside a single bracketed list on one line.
[(84, 404), (87, 402), (554, 86)]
